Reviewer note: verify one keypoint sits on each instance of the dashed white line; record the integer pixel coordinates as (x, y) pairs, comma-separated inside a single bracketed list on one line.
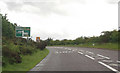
[(80, 52), (107, 61), (56, 52), (114, 65), (90, 52), (118, 61), (90, 57), (100, 58), (64, 51), (69, 51), (108, 67), (65, 48), (103, 56)]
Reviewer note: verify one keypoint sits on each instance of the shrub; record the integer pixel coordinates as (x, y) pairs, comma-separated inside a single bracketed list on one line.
[(25, 50), (41, 45), (10, 56)]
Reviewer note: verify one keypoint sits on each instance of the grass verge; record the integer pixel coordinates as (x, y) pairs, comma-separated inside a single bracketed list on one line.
[(28, 61), (110, 46)]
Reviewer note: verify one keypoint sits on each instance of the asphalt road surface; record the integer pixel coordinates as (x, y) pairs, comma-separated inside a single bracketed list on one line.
[(79, 59)]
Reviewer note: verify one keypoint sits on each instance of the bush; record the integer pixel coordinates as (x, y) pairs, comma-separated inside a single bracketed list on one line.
[(25, 50), (10, 56), (41, 45)]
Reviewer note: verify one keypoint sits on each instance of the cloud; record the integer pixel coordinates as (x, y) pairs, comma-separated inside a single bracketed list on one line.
[(112, 1), (45, 7), (61, 19), (48, 34), (41, 7)]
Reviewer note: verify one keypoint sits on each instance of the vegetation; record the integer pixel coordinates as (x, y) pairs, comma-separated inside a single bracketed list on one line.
[(17, 51), (110, 46), (107, 39), (28, 61)]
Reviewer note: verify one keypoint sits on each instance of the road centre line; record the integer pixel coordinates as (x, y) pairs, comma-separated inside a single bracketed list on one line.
[(108, 67), (90, 57)]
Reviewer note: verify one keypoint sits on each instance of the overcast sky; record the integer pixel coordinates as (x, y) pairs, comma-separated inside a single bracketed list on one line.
[(63, 19)]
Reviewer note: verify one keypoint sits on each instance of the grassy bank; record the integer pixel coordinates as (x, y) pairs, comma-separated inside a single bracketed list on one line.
[(111, 46), (28, 61)]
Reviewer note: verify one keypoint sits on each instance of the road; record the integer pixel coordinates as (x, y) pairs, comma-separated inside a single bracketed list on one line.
[(79, 59)]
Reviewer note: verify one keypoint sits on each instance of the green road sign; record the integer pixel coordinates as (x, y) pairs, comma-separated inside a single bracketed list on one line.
[(22, 31)]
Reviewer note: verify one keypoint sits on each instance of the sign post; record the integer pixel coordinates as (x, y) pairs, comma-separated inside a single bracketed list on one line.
[(22, 32), (37, 39)]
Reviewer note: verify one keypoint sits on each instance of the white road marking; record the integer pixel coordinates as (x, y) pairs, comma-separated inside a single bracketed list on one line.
[(65, 51), (89, 52), (107, 61), (80, 52), (100, 58), (69, 49), (118, 61), (108, 67), (42, 62), (114, 65), (56, 51), (90, 57), (40, 65), (103, 56)]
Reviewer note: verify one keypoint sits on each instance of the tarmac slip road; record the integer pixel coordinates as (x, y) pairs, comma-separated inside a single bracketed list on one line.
[(79, 59)]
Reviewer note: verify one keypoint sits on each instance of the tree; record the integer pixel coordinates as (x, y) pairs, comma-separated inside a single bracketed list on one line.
[(49, 41)]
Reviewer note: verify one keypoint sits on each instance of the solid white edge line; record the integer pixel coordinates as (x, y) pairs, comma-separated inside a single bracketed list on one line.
[(90, 57), (108, 67)]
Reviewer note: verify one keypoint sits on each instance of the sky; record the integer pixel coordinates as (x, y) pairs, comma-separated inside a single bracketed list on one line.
[(62, 19)]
